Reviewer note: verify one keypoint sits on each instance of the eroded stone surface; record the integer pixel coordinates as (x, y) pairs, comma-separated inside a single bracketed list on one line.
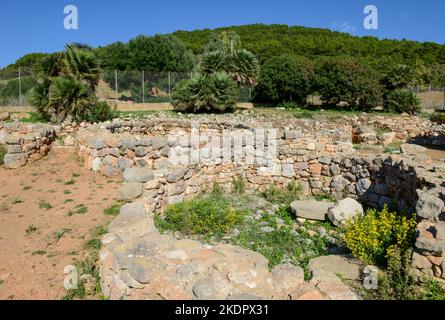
[(311, 209)]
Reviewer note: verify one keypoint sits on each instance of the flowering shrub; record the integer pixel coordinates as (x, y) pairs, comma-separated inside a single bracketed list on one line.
[(375, 236)]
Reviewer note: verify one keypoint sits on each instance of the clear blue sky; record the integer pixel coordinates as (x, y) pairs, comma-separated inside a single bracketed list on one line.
[(37, 26)]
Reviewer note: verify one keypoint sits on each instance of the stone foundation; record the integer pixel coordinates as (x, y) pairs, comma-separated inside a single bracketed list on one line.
[(164, 161), (156, 159), (25, 143)]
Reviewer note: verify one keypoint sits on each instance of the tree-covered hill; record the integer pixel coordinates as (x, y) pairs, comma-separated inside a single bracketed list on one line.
[(267, 41)]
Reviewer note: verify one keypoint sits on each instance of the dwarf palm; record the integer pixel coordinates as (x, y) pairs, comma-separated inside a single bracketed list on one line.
[(206, 93), (241, 65)]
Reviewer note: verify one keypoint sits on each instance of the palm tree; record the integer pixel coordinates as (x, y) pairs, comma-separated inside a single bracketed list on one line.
[(67, 84), (82, 65), (241, 65), (244, 67), (206, 93)]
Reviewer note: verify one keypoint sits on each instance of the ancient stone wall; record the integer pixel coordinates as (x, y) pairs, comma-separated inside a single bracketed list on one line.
[(157, 163), (25, 143), (165, 161)]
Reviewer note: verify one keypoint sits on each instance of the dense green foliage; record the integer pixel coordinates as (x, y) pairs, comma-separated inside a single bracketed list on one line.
[(222, 73), (286, 79), (214, 92), (157, 53), (9, 91), (438, 117), (356, 71), (346, 80), (400, 101), (67, 87), (268, 41), (25, 63)]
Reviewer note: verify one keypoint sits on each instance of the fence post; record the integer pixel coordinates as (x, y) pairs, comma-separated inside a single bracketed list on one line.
[(115, 84), (20, 86), (143, 87), (443, 106), (169, 84)]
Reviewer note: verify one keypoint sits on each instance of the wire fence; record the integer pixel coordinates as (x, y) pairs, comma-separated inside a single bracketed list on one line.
[(121, 86), (155, 87), (432, 98)]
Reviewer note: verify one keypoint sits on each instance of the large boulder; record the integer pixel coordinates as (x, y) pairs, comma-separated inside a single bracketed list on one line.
[(344, 210), (129, 213), (429, 206), (336, 265), (287, 277), (412, 149), (14, 161), (311, 209)]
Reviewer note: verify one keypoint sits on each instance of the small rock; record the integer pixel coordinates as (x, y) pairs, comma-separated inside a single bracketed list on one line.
[(267, 229), (158, 142), (96, 164), (68, 141)]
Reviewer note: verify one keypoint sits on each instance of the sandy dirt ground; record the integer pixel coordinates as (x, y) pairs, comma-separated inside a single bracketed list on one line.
[(43, 226)]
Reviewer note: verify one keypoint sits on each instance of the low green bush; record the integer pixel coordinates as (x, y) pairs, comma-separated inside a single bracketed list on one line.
[(432, 290), (98, 112), (400, 101), (282, 196), (207, 216), (214, 92), (239, 184), (348, 80), (438, 118)]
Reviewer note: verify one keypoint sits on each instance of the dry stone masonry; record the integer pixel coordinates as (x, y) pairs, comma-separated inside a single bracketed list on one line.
[(25, 143), (156, 160), (168, 160)]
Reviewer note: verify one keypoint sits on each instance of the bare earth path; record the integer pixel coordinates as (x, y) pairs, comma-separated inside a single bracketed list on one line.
[(37, 242)]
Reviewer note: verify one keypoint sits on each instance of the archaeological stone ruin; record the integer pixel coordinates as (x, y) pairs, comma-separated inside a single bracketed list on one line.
[(165, 160)]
